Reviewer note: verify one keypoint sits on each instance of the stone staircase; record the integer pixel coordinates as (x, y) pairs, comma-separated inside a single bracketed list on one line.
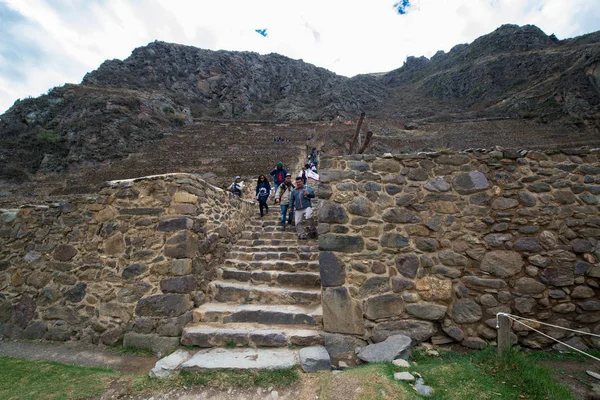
[(267, 294)]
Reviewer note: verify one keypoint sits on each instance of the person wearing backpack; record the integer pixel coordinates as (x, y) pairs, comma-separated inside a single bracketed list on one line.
[(278, 173), (283, 196), (237, 186), (263, 190), (303, 208)]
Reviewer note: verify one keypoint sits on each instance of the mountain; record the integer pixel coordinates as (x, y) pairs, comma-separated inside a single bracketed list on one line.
[(517, 73)]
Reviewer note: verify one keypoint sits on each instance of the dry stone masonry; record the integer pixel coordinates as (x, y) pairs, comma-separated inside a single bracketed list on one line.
[(128, 264), (434, 245)]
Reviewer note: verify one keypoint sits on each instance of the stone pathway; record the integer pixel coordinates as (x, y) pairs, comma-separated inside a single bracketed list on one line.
[(268, 294)]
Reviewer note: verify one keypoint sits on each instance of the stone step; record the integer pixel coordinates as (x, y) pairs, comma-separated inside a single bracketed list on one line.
[(263, 256), (211, 334), (295, 279), (253, 359), (277, 242), (231, 292), (294, 248), (260, 314), (272, 265), (254, 235)]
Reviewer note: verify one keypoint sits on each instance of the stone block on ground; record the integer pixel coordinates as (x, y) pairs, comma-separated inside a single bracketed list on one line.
[(342, 349), (387, 350), (254, 359), (156, 344), (167, 366), (404, 377), (314, 358)]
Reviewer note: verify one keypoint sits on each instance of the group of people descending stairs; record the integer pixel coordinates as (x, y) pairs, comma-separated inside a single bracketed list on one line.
[(293, 197)]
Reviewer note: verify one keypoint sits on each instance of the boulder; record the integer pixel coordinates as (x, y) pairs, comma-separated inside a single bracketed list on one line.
[(314, 358), (417, 330), (342, 349), (502, 263), (465, 311), (470, 183), (385, 351)]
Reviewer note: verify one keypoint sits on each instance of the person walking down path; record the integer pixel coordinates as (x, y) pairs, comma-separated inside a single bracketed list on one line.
[(283, 196), (278, 173), (301, 202), (263, 191), (237, 186)]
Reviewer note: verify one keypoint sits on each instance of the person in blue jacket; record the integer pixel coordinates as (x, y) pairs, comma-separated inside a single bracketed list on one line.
[(303, 208), (263, 190), (278, 173)]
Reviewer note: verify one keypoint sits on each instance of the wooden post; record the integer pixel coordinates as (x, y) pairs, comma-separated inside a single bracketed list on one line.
[(360, 120), (366, 143), (503, 335)]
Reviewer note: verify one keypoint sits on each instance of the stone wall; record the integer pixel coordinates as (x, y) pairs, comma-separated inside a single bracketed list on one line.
[(434, 245), (129, 262)]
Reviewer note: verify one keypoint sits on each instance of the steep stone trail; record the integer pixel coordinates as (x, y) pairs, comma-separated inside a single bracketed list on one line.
[(267, 294)]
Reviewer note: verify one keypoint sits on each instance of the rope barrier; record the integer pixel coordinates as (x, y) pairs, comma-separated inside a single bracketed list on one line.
[(516, 319), (543, 323)]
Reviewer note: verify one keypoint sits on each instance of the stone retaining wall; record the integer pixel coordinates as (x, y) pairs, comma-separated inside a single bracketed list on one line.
[(434, 245), (132, 261)]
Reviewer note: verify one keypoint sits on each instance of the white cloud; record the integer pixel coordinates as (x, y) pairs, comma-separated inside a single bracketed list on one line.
[(347, 37)]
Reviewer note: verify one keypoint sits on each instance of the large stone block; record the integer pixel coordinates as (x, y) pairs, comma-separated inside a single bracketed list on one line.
[(133, 270), (383, 306), (472, 182), (431, 288), (343, 243), (428, 311), (183, 244), (179, 284), (314, 358), (175, 224), (417, 330), (116, 310), (393, 240), (155, 343), (361, 206), (400, 216), (173, 326), (502, 263), (341, 313), (333, 213), (386, 165), (166, 305), (529, 286), (385, 351), (465, 311), (484, 282), (114, 245), (560, 275), (64, 252), (342, 349), (408, 265), (332, 271), (450, 258)]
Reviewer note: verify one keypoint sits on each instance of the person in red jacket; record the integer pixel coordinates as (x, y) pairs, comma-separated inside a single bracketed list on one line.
[(278, 173)]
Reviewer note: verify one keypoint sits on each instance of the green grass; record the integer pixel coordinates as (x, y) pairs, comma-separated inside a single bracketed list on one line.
[(218, 379), (130, 350), (484, 375), (20, 379)]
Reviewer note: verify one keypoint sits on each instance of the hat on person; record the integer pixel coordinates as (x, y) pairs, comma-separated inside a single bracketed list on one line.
[(286, 175), (306, 165), (280, 164), (236, 178)]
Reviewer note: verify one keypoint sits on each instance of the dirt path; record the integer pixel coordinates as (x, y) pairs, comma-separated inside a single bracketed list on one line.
[(77, 353)]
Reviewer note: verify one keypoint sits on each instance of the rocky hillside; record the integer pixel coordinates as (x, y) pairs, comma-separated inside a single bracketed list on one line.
[(514, 72)]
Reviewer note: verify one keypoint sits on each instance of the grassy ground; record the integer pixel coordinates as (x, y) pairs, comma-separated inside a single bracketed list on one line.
[(474, 375), (36, 380)]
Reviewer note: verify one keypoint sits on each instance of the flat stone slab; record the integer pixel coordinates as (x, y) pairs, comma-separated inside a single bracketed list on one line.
[(165, 367), (387, 350), (242, 359), (404, 376)]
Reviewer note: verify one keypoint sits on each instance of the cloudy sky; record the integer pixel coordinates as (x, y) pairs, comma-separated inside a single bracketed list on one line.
[(44, 43)]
